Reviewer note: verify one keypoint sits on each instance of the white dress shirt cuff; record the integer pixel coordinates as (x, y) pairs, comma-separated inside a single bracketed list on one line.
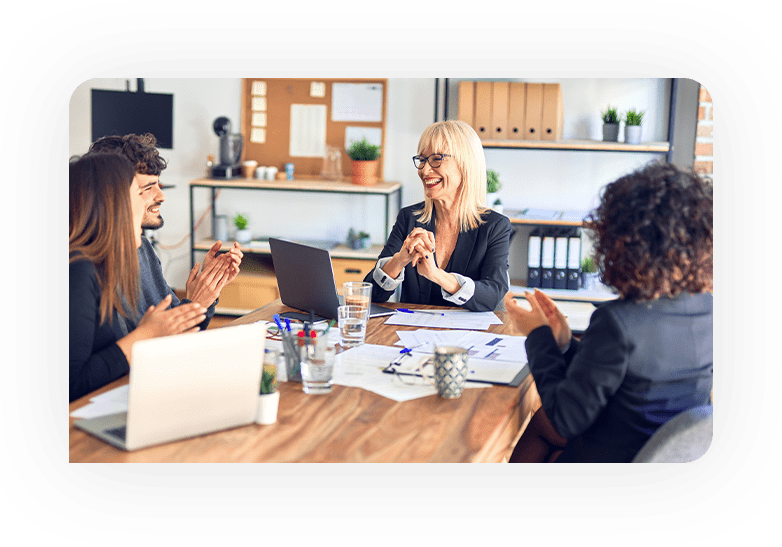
[(466, 291), (386, 282)]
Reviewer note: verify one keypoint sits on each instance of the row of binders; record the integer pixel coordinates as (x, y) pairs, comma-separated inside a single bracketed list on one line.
[(554, 258), (512, 110)]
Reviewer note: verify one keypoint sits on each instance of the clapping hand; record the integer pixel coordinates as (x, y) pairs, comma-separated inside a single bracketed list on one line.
[(235, 254), (543, 312), (204, 287), (159, 321)]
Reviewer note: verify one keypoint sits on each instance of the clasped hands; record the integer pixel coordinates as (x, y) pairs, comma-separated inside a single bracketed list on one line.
[(204, 287), (543, 312), (418, 250)]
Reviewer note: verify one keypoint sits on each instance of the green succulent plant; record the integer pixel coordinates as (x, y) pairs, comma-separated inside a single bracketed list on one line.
[(240, 221), (588, 265), (269, 379), (493, 183)]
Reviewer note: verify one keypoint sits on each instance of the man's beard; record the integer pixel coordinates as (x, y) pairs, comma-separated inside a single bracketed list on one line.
[(153, 225)]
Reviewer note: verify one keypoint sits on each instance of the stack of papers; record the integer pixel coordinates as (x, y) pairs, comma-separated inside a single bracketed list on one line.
[(363, 366), (448, 319), (479, 345), (111, 402)]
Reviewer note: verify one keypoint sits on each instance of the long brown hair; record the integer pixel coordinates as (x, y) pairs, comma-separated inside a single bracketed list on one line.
[(100, 223), (654, 234)]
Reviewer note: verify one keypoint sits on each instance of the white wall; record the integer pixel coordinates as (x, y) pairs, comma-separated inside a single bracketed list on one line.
[(545, 179)]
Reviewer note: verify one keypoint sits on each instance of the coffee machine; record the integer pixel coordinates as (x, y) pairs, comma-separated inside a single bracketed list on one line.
[(230, 150)]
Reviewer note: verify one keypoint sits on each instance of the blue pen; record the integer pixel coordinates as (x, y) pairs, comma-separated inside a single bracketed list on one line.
[(405, 310), (406, 350), (277, 320), (288, 324)]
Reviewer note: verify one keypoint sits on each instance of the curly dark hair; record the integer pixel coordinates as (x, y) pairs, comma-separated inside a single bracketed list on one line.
[(140, 149), (653, 233)]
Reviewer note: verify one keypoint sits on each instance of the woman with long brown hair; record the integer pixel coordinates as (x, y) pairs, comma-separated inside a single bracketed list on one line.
[(105, 213), (646, 356)]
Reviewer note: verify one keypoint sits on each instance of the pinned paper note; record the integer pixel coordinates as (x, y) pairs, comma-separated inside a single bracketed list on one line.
[(259, 88), (308, 130), (357, 102), (258, 135), (258, 119), (317, 89), (259, 104)]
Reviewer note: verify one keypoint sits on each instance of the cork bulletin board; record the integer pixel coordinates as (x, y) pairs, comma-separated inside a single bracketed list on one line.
[(291, 120)]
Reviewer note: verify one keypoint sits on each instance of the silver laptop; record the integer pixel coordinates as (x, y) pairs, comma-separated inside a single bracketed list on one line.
[(187, 385), (306, 281)]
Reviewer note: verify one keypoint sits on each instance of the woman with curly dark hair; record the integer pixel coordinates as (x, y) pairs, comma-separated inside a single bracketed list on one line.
[(646, 356)]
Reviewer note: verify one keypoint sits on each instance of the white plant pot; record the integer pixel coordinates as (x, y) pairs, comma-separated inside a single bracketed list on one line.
[(632, 134), (243, 236), (267, 408)]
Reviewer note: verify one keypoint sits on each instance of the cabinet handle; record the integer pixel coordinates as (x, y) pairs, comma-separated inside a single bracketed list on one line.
[(352, 271)]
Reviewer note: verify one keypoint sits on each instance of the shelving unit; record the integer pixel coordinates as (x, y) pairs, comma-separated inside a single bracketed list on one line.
[(678, 149), (582, 145), (256, 284)]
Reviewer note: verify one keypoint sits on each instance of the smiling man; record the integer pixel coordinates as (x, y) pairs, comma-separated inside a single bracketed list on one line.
[(204, 284)]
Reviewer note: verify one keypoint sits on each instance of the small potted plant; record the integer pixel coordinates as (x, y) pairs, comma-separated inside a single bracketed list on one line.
[(269, 399), (610, 124), (588, 273), (633, 120), (358, 240), (364, 158), (243, 235), (493, 186)]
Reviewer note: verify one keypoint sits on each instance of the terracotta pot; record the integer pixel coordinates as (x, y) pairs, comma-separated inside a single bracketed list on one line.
[(364, 172)]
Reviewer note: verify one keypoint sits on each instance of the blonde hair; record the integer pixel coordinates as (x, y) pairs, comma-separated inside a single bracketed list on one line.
[(462, 142)]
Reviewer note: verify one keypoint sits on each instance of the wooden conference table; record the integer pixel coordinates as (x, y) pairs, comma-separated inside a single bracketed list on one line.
[(349, 424)]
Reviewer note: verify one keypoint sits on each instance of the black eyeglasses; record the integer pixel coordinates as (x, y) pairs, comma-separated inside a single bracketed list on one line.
[(435, 160)]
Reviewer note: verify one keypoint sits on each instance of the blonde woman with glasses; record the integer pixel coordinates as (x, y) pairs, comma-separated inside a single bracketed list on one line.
[(450, 249)]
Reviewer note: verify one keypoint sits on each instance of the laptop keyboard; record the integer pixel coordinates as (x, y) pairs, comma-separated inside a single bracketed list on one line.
[(118, 432)]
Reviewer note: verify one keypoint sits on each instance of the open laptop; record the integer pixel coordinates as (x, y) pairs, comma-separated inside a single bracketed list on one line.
[(187, 385), (306, 281)]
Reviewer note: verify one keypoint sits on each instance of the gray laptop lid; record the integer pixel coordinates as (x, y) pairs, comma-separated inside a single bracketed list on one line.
[(306, 279), (187, 385)]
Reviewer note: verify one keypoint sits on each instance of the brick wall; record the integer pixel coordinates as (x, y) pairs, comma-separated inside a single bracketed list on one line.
[(704, 139)]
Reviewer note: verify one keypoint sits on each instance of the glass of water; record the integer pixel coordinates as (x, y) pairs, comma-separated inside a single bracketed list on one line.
[(317, 363), (352, 325)]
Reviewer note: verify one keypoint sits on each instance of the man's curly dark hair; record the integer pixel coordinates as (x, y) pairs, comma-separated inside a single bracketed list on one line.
[(139, 149), (653, 233)]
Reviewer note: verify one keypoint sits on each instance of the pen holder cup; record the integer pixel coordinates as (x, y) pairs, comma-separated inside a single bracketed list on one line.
[(291, 355)]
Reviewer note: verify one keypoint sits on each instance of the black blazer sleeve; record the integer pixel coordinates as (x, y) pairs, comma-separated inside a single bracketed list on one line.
[(574, 388), (95, 357), (490, 256)]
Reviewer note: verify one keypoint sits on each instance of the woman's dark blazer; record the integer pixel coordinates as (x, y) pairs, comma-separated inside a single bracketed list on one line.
[(480, 254), (637, 365)]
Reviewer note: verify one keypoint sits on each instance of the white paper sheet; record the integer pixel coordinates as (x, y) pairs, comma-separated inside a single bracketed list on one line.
[(111, 402), (363, 366), (308, 131), (357, 102), (457, 319)]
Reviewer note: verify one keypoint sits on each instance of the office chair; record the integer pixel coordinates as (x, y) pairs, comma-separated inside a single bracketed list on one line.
[(684, 438)]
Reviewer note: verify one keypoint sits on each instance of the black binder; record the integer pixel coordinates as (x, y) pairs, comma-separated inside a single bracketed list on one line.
[(547, 261), (560, 260), (574, 260), (533, 259)]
